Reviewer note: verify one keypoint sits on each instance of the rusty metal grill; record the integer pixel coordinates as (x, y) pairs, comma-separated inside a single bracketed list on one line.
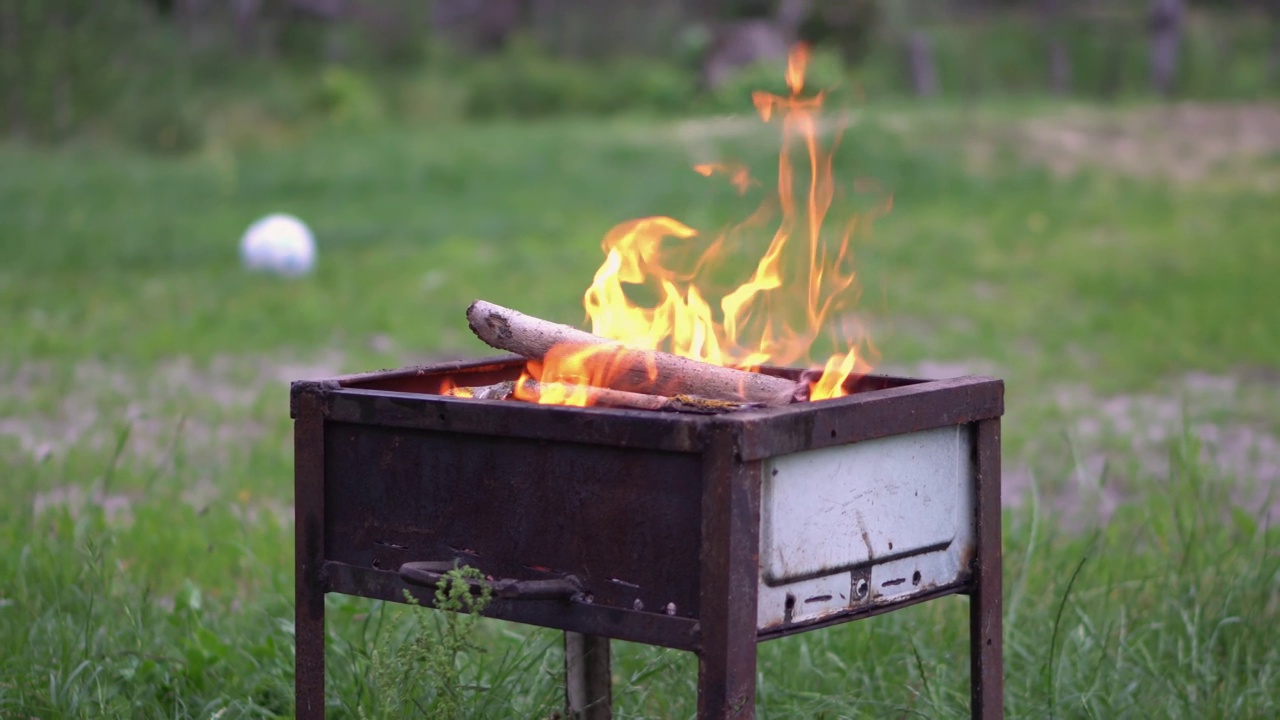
[(702, 533)]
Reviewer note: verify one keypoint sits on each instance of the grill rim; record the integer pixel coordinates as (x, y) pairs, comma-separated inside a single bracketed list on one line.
[(900, 405)]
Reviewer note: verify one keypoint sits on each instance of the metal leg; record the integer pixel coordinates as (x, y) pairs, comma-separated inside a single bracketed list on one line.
[(309, 586), (588, 682), (309, 652), (985, 621), (730, 561), (727, 683)]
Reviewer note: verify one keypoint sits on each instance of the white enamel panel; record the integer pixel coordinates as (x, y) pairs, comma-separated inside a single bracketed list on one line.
[(894, 513), (837, 508)]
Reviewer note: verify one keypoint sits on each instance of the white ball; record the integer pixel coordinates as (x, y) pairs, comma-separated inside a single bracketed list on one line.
[(278, 243)]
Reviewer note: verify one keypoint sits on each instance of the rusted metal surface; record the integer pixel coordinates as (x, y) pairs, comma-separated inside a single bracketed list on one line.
[(625, 523), (588, 683), (431, 573), (657, 521), (730, 574), (905, 406), (432, 379), (309, 580), (986, 634), (887, 406), (642, 626), (859, 613)]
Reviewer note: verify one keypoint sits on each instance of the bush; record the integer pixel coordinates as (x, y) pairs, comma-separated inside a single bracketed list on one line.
[(71, 62), (168, 128), (345, 96), (526, 82), (120, 70)]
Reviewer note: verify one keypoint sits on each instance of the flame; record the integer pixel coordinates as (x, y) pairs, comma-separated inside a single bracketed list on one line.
[(563, 377), (450, 387), (801, 283)]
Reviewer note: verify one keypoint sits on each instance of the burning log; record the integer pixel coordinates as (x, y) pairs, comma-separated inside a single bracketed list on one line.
[(620, 367), (530, 389)]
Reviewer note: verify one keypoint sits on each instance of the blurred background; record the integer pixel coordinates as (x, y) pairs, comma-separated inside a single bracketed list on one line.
[(1084, 204), (169, 74)]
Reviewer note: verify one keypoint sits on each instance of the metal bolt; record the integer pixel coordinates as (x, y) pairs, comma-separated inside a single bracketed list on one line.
[(638, 605), (671, 608), (589, 598), (860, 589)]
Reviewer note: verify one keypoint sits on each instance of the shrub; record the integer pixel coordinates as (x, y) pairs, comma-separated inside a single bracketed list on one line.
[(70, 62), (347, 97), (526, 82)]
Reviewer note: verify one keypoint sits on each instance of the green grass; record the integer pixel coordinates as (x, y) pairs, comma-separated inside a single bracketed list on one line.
[(145, 540)]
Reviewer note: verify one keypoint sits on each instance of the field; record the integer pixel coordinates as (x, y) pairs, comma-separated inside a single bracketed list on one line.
[(1118, 268)]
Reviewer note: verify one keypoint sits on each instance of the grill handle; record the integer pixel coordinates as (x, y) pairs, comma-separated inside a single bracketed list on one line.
[(430, 573)]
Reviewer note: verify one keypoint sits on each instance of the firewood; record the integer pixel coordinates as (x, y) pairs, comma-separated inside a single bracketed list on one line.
[(621, 367), (602, 397)]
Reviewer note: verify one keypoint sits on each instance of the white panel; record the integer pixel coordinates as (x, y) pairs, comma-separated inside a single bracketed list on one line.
[(900, 579), (887, 583), (803, 601), (829, 510)]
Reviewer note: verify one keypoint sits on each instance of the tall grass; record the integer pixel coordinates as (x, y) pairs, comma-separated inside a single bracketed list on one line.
[(146, 562), (1168, 610)]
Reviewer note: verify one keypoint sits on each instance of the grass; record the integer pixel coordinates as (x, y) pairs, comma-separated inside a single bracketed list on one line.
[(145, 544)]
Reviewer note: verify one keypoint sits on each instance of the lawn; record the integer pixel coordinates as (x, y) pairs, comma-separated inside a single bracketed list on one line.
[(146, 537)]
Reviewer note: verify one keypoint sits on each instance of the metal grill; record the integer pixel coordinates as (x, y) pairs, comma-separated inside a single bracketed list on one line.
[(707, 534)]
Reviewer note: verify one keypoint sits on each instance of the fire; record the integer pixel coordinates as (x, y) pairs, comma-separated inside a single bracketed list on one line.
[(801, 283), (451, 387)]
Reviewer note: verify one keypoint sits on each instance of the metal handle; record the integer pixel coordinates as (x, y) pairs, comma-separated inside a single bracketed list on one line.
[(430, 573)]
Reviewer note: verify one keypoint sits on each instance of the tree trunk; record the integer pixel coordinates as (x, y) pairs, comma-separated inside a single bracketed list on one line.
[(740, 43), (12, 117), (246, 20), (1273, 66), (480, 25), (924, 74), (1165, 20), (1059, 57)]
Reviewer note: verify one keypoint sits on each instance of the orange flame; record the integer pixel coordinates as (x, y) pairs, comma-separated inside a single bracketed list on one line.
[(450, 387), (800, 284)]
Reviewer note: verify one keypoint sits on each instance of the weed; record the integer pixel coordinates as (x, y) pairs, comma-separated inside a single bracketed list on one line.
[(423, 674)]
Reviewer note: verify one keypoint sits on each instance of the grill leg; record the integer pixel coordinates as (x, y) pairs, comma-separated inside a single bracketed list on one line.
[(309, 584), (588, 686), (730, 575), (727, 681), (985, 622), (309, 653)]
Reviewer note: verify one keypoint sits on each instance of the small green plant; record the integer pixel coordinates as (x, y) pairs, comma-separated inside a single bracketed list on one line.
[(423, 674), (347, 97)]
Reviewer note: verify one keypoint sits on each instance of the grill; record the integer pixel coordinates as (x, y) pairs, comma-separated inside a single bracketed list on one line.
[(705, 533)]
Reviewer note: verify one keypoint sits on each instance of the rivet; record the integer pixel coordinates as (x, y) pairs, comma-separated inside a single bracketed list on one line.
[(638, 605), (860, 589), (671, 608)]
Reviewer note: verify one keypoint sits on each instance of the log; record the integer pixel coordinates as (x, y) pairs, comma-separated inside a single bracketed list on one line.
[(621, 367), (531, 390)]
